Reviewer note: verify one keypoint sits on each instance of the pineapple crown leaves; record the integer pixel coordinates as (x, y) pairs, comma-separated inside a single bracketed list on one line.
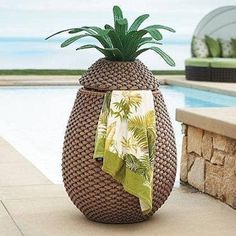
[(121, 43)]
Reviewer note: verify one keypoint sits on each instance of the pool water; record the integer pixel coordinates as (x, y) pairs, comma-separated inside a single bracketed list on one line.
[(33, 119)]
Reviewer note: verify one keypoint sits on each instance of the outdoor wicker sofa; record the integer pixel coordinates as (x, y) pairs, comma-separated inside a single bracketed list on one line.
[(211, 69), (213, 59)]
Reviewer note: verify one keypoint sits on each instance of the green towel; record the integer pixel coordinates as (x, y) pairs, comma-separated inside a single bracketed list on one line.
[(125, 139)]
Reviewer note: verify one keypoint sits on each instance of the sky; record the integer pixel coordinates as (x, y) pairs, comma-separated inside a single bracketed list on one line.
[(24, 24), (31, 18)]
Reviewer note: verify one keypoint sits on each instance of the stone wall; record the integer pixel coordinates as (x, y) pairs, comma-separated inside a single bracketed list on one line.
[(208, 163)]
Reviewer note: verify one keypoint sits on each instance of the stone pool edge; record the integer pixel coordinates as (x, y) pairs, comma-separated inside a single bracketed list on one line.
[(208, 160)]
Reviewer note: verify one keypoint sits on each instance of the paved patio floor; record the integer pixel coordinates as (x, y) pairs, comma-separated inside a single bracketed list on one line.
[(32, 205)]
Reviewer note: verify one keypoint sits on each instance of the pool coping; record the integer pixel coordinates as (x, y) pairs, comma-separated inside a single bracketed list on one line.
[(30, 80), (38, 80), (217, 87), (217, 120)]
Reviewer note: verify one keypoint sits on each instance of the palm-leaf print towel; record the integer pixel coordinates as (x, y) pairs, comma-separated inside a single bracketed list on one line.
[(125, 139)]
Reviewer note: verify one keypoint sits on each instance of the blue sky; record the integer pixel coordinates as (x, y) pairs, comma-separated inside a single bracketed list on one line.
[(25, 23), (31, 18)]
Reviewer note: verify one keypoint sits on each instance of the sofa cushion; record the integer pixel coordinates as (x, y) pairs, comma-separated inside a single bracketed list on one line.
[(223, 63), (227, 48), (198, 62), (233, 41), (213, 46), (199, 47)]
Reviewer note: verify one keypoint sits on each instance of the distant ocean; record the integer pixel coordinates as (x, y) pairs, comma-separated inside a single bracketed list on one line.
[(36, 53)]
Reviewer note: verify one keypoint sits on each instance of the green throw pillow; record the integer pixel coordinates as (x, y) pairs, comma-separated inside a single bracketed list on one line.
[(227, 48), (234, 46), (213, 46), (199, 47)]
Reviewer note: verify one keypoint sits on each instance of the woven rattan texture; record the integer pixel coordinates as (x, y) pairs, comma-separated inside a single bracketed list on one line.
[(95, 193), (223, 75), (210, 74), (128, 75), (198, 73)]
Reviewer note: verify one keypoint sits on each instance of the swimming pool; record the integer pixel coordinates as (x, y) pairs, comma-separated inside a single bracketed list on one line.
[(33, 119)]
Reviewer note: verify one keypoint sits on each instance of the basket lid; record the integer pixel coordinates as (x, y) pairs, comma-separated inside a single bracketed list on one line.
[(110, 75)]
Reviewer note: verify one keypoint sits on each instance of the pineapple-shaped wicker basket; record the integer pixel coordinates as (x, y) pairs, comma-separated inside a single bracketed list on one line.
[(99, 197), (93, 191)]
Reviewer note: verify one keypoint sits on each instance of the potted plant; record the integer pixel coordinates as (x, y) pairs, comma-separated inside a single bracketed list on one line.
[(94, 192)]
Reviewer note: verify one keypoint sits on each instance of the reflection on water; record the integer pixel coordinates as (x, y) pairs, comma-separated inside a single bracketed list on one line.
[(33, 119)]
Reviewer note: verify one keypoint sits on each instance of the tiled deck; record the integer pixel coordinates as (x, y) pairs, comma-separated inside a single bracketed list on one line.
[(32, 205)]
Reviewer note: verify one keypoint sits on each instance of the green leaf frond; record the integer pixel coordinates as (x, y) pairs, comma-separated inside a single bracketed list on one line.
[(120, 42)]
